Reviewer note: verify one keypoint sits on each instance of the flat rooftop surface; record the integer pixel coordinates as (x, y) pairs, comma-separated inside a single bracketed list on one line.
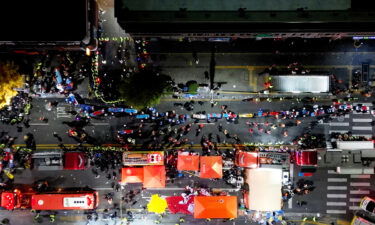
[(43, 20), (234, 5)]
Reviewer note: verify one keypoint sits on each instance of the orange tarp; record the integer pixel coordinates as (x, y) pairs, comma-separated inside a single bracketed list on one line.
[(188, 162), (211, 167), (131, 175), (154, 176), (215, 207)]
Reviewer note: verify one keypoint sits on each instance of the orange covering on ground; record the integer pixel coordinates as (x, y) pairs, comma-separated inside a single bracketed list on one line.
[(131, 175), (211, 167), (188, 162), (154, 176), (215, 207)]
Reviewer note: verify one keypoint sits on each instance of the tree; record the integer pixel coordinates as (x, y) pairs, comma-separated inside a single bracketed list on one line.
[(144, 88)]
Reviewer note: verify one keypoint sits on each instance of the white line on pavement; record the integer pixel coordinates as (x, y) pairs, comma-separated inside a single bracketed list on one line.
[(355, 199), (336, 195), (365, 103), (363, 135), (362, 128), (336, 203), (347, 116), (337, 188), (365, 184), (331, 171), (354, 207), (337, 179), (38, 124), (290, 204), (359, 192), (362, 120), (339, 124), (338, 131), (100, 124), (336, 211), (360, 176)]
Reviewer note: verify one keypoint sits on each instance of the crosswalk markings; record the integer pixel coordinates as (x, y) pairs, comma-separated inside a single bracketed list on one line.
[(355, 199), (354, 207), (61, 112), (359, 192), (332, 172), (360, 120), (346, 116), (343, 188), (337, 179), (361, 128), (360, 176), (336, 203), (356, 184), (336, 195), (332, 211), (338, 131), (339, 124)]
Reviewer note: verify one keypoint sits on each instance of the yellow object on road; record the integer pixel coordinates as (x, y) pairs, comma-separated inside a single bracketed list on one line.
[(246, 115), (9, 174)]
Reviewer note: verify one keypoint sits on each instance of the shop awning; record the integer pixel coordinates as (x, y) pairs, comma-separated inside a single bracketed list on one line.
[(74, 161), (211, 167), (264, 189), (188, 162), (154, 176), (215, 207), (131, 175)]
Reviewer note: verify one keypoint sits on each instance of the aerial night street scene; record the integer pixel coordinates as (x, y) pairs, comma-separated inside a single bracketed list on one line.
[(182, 112)]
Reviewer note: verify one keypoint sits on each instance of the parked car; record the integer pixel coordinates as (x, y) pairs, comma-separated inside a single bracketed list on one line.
[(199, 116)]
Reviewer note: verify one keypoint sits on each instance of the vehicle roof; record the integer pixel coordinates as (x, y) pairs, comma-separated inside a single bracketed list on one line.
[(62, 201), (74, 161)]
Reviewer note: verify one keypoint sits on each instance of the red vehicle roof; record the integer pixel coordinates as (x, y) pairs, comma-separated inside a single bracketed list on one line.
[(306, 157), (7, 200), (79, 201), (74, 161)]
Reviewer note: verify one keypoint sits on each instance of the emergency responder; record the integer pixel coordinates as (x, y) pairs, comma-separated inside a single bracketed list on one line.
[(181, 220)]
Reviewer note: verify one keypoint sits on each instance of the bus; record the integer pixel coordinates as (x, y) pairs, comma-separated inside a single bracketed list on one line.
[(143, 158), (84, 200)]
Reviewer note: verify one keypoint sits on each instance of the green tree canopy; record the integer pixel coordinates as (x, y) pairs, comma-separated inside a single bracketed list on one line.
[(144, 88)]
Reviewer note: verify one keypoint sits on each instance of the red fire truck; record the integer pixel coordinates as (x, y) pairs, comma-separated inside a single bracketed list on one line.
[(28, 198)]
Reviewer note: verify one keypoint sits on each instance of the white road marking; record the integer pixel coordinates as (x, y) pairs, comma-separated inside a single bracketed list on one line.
[(363, 135), (364, 103), (361, 128), (38, 124), (339, 124), (362, 120), (364, 184), (336, 195), (343, 188), (100, 124), (347, 116), (102, 188), (337, 179), (354, 207), (359, 192), (355, 199), (338, 131), (332, 172), (360, 176), (336, 211), (290, 204), (336, 203)]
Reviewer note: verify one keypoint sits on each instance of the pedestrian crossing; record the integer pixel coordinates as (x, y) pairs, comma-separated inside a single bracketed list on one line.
[(356, 122), (62, 111), (345, 192)]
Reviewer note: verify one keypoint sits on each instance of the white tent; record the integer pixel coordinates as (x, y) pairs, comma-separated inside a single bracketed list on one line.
[(264, 189)]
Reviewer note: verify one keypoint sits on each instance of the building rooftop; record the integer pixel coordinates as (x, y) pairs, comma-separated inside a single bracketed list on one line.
[(43, 21)]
